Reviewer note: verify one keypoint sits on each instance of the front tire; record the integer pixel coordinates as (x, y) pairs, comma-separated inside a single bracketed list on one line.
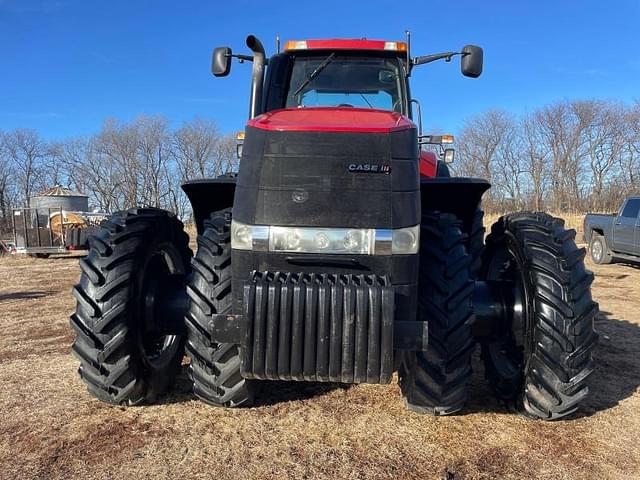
[(540, 361), (125, 359), (215, 367), (435, 381)]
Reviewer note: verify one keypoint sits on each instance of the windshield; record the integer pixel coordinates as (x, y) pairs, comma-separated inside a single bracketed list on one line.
[(345, 81)]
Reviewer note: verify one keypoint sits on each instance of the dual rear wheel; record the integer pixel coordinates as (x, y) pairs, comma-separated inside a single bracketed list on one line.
[(538, 358), (137, 257), (125, 326)]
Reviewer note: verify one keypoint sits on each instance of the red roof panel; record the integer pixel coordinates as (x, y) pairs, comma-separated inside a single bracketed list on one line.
[(333, 119)]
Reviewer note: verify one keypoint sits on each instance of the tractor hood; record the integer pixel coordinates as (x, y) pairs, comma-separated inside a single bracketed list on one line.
[(329, 167), (332, 119)]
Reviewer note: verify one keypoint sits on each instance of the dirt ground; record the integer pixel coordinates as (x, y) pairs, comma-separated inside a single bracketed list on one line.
[(50, 428)]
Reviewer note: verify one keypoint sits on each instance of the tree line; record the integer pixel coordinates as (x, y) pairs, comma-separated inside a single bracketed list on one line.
[(138, 163), (570, 156)]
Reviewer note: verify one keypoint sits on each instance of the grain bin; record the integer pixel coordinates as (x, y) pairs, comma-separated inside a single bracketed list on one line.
[(56, 199)]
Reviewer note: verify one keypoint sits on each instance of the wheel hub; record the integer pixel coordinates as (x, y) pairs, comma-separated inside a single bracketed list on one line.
[(596, 250), (500, 307), (162, 320)]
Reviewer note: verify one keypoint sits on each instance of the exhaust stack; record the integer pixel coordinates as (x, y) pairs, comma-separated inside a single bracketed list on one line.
[(257, 76)]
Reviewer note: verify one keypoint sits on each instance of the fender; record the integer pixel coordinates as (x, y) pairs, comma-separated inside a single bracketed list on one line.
[(458, 195), (209, 195)]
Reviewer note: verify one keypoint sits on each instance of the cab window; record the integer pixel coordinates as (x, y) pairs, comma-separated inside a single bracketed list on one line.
[(631, 208), (346, 81)]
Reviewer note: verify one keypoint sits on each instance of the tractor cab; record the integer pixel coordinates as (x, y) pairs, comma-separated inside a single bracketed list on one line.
[(339, 74), (343, 74)]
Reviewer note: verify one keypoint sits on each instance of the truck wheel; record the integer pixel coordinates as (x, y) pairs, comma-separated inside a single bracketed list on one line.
[(539, 360), (600, 253), (435, 381), (136, 257), (215, 367)]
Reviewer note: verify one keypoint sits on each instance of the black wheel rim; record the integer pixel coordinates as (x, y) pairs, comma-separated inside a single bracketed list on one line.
[(163, 271), (597, 250), (511, 342)]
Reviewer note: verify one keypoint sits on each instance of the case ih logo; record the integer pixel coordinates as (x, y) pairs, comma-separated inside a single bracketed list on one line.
[(369, 168)]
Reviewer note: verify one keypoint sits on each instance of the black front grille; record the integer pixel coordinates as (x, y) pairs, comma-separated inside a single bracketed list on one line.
[(318, 327), (307, 179)]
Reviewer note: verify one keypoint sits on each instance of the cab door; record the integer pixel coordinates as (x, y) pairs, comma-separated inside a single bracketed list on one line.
[(624, 227)]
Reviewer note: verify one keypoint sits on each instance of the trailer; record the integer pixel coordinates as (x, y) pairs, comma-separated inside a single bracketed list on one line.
[(41, 232)]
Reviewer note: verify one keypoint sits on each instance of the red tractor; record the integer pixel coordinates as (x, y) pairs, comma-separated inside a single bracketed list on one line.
[(341, 252)]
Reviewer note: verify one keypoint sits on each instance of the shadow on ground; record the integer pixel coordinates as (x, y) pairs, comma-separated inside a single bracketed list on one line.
[(616, 377), (617, 373), (23, 295), (268, 392)]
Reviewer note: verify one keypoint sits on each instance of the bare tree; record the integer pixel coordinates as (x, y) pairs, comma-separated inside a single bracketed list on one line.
[(509, 166), (53, 169), (536, 154), (629, 160), (201, 151), (155, 157), (87, 171), (195, 144), (604, 144), (480, 142), (26, 150), (117, 146), (563, 127), (565, 156), (5, 186)]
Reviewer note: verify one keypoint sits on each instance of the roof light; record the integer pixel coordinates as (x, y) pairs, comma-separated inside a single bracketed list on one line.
[(295, 45), (345, 44), (447, 139), (397, 46)]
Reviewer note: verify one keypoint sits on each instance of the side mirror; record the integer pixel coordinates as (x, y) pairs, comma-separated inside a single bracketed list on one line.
[(221, 61), (386, 76), (472, 58)]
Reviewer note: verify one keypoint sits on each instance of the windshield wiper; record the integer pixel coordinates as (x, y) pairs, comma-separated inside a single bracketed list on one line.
[(315, 73), (365, 99)]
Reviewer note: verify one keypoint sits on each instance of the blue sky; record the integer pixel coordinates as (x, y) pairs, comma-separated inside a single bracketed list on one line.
[(67, 65)]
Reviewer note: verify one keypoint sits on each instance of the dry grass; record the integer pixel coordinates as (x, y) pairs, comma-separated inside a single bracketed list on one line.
[(50, 428)]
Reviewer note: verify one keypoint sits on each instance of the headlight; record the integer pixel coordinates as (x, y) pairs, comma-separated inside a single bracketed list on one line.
[(405, 240), (322, 240), (249, 237), (354, 241)]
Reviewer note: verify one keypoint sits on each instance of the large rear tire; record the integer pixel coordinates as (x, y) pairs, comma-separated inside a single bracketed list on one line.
[(135, 257), (540, 360), (435, 381), (215, 367)]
